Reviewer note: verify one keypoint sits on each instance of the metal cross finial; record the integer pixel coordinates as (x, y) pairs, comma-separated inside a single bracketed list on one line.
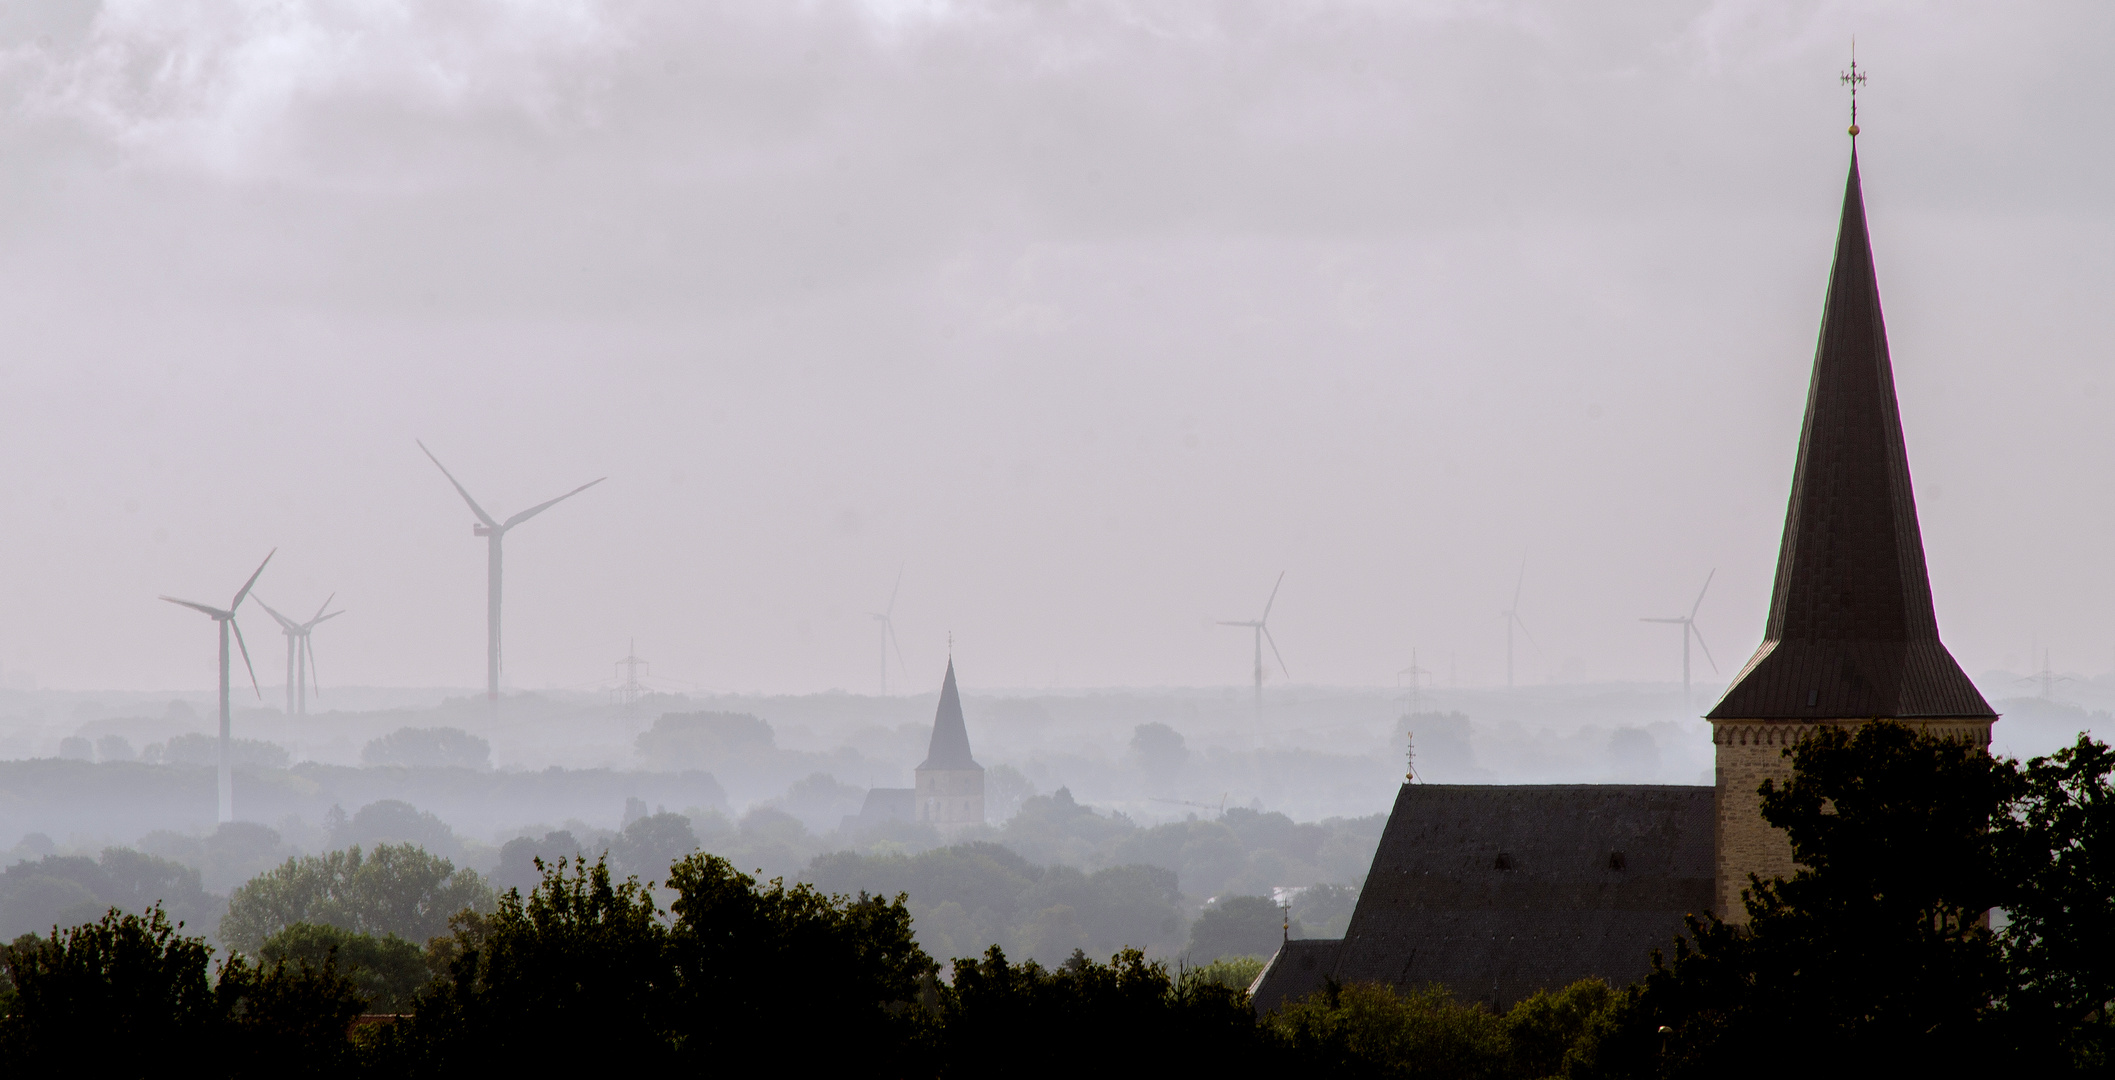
[(1854, 79)]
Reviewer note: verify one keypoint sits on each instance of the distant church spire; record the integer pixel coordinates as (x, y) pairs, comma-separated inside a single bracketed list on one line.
[(950, 745), (1851, 632)]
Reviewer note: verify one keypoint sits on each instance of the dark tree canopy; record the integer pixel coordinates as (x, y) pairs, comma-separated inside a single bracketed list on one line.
[(1876, 956)]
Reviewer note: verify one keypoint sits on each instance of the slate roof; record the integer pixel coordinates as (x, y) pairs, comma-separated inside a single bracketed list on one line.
[(950, 746), (1851, 631), (1498, 891)]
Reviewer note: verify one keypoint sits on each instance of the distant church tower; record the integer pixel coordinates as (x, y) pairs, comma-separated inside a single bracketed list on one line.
[(1851, 635), (950, 783)]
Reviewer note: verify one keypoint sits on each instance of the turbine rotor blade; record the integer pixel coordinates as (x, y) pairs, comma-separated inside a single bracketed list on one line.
[(286, 624), (323, 619), (239, 643), (543, 506), (213, 611), (890, 626), (1518, 582), (253, 580), (1530, 636), (893, 590), (1273, 599), (319, 607), (1707, 649), (1700, 592), (1274, 650), (315, 681), (1664, 620), (459, 489)]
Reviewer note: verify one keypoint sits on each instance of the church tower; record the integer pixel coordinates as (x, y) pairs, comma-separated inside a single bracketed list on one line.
[(950, 784), (1852, 635)]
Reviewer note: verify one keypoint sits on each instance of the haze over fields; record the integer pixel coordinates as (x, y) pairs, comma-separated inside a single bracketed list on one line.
[(1088, 318)]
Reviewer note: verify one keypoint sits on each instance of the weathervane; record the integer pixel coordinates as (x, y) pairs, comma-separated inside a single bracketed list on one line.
[(1854, 79)]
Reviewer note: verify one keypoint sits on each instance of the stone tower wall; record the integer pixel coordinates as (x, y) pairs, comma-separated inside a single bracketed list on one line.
[(1751, 751), (950, 798)]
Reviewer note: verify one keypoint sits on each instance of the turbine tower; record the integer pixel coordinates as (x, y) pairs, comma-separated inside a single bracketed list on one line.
[(1262, 628), (1511, 615), (1689, 630), (887, 618), (300, 657), (226, 619), (493, 532)]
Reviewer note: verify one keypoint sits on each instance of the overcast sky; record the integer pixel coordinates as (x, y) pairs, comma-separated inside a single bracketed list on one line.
[(1091, 317)]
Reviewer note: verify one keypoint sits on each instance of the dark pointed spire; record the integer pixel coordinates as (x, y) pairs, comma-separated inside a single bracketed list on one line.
[(950, 746), (1851, 634)]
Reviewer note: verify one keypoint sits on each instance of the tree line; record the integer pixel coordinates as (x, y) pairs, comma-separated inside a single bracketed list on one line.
[(1952, 911)]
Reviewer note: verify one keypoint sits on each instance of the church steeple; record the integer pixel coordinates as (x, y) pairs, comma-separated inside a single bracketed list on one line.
[(950, 746), (1851, 632)]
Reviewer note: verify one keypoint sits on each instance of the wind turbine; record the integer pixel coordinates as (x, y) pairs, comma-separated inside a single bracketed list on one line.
[(226, 619), (1689, 630), (493, 532), (300, 656), (887, 618), (1511, 615), (1262, 629)]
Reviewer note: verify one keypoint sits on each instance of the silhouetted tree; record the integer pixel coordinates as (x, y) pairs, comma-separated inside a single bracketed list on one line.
[(581, 954), (112, 997), (386, 972), (1127, 1016), (1875, 956), (2057, 849), (743, 952)]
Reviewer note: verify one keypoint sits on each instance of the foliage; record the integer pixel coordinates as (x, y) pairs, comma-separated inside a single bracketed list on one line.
[(1545, 1031), (1876, 954), (205, 750), (386, 972), (1366, 1030), (61, 890), (231, 854), (702, 740), (1140, 1020), (1232, 972), (438, 747), (968, 897), (123, 973), (396, 889), (650, 845), (581, 953), (518, 859), (2058, 851), (740, 966), (1239, 926), (741, 951), (285, 1019), (1159, 750), (393, 821)]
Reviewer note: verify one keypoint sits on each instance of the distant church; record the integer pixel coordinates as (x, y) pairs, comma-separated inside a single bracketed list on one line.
[(1498, 891), (949, 791)]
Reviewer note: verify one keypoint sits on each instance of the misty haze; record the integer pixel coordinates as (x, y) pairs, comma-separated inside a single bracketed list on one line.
[(1086, 469)]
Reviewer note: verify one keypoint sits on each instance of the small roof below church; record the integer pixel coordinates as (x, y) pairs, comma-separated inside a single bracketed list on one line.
[(950, 746)]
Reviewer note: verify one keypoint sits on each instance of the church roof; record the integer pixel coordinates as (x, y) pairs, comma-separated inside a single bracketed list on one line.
[(1851, 632), (950, 745), (1497, 891)]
